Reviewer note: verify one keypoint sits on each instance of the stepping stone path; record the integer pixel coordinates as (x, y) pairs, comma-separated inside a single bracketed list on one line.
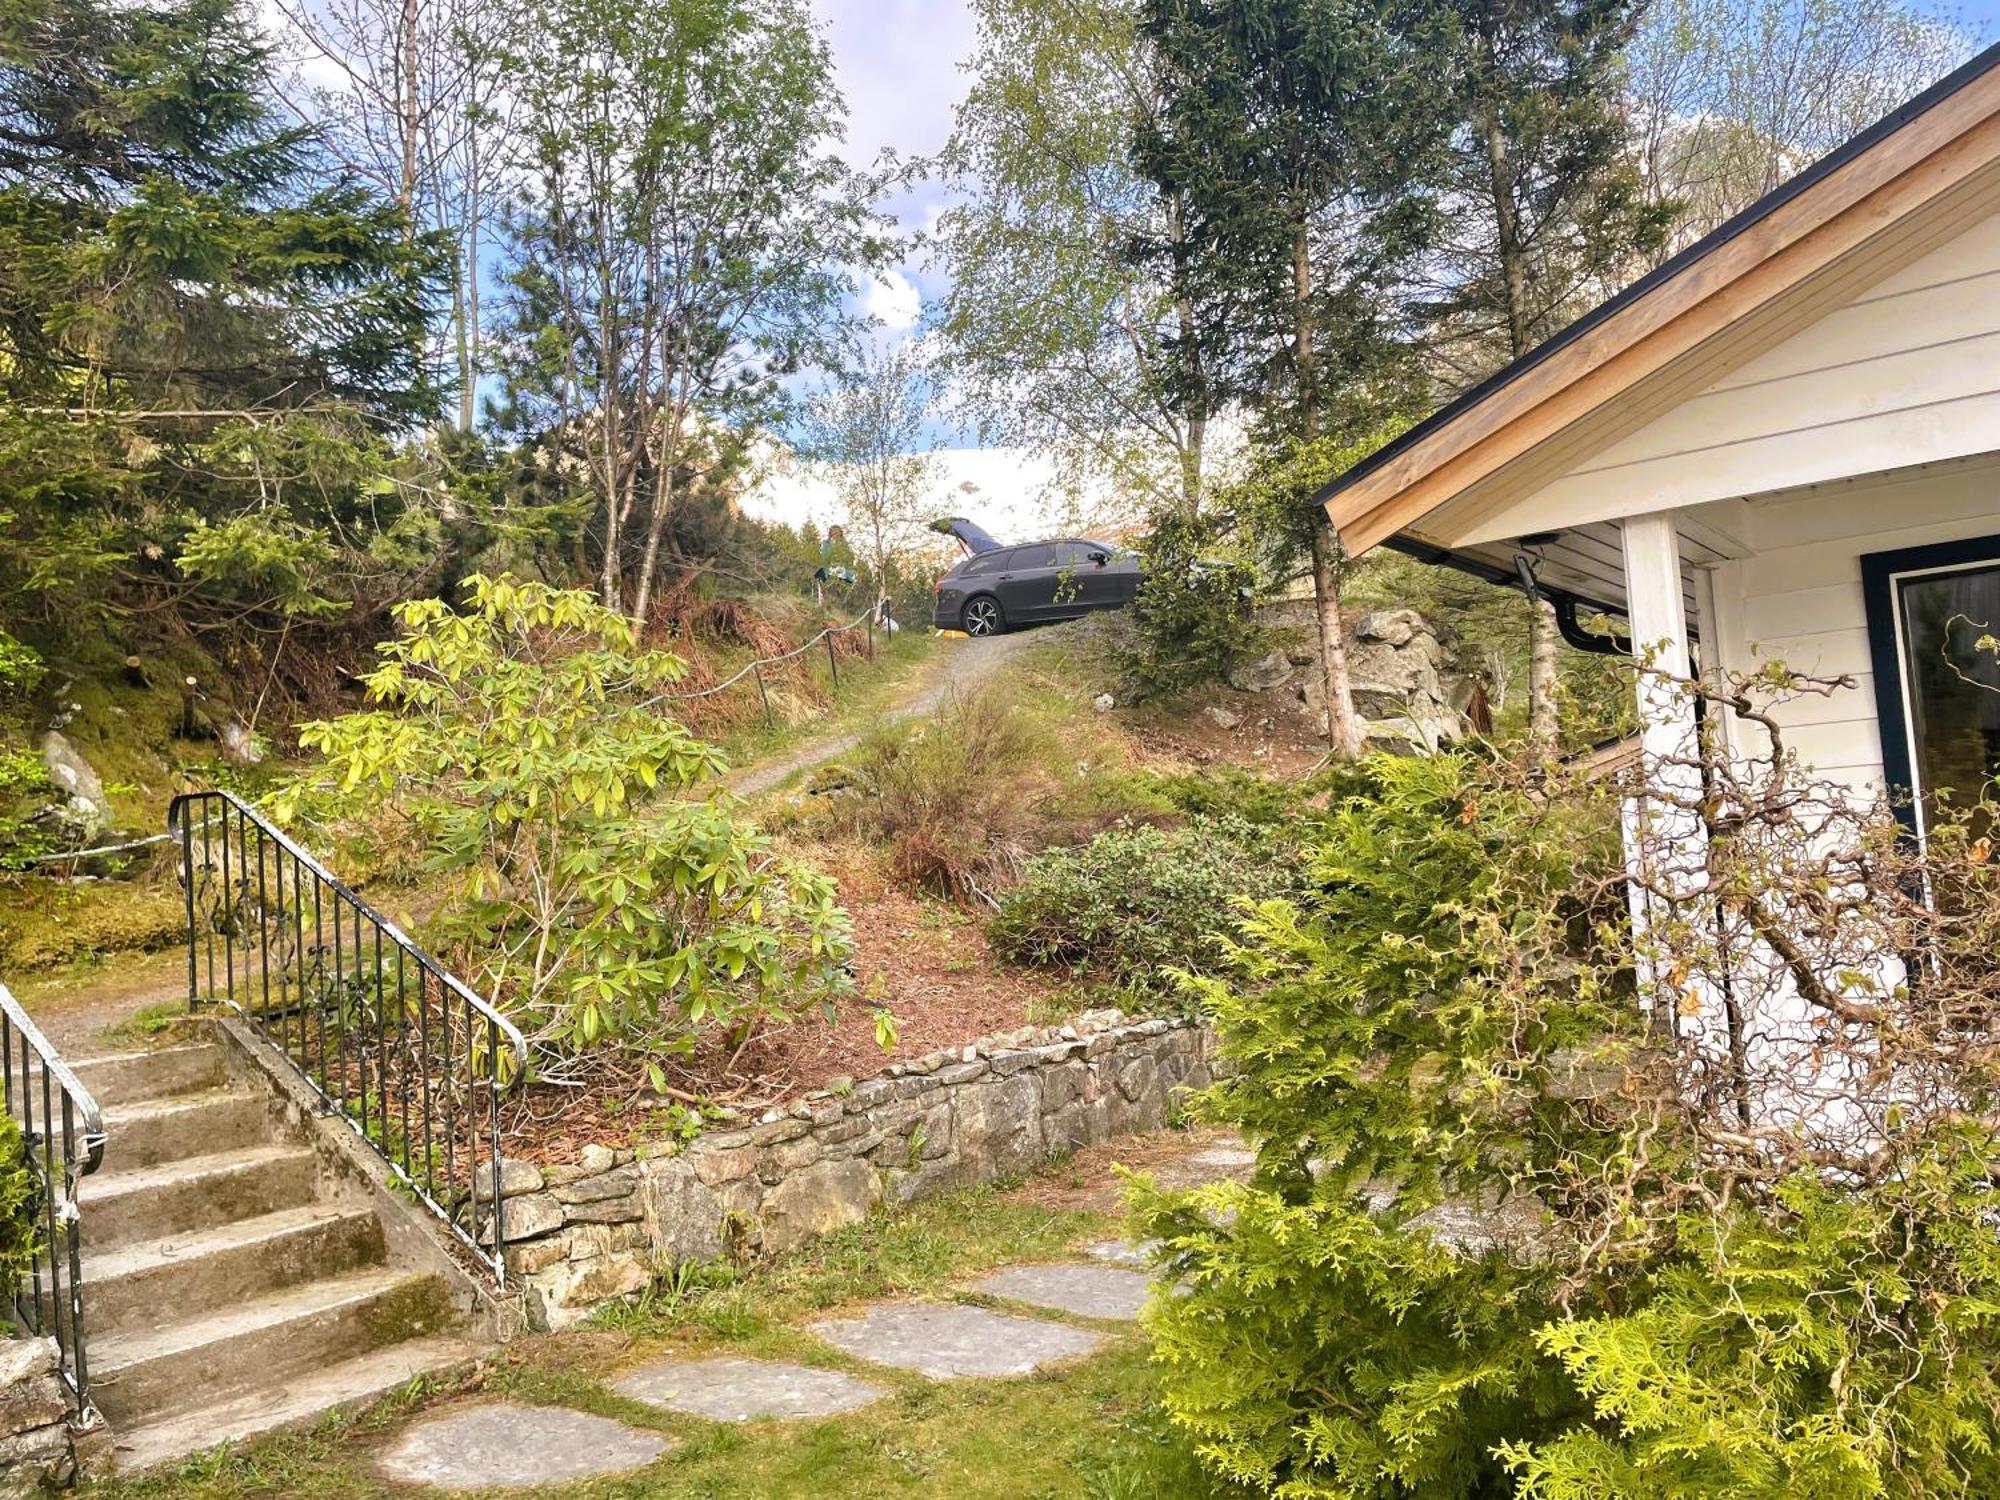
[(1123, 1252), (502, 1444), (947, 1342), (1224, 1163), (742, 1390), (1088, 1291)]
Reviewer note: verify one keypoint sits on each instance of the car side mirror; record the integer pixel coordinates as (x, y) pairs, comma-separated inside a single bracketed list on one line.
[(1100, 558)]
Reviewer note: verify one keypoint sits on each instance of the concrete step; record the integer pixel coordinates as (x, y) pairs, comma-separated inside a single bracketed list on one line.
[(127, 1077), (149, 1203), (293, 1402), (260, 1342), (151, 1283), (173, 1128)]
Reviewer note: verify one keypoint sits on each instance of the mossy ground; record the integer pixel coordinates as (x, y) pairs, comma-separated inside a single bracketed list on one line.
[(1088, 1430)]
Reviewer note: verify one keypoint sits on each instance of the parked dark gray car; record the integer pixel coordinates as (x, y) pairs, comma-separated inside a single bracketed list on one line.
[(1008, 586)]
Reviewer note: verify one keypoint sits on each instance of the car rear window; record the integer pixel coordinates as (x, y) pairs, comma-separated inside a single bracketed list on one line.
[(1041, 555), (986, 562)]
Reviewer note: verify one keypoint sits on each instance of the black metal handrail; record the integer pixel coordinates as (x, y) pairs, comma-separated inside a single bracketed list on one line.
[(62, 1141), (391, 1041)]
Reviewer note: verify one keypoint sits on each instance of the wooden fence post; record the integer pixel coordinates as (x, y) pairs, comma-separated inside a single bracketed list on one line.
[(832, 661), (764, 697)]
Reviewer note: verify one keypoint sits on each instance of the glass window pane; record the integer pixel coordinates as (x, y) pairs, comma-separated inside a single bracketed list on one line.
[(1952, 674)]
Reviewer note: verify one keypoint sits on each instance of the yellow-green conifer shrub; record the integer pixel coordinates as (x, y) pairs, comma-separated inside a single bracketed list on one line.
[(1512, 1233), (20, 1226)]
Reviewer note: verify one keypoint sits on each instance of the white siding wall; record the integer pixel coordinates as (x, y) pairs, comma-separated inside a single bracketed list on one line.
[(1907, 373), (1798, 600)]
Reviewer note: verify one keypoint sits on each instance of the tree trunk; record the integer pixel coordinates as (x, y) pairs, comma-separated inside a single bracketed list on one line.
[(1343, 725), (1507, 235), (411, 119), (468, 328), (1343, 729), (1542, 635), (662, 509), (1542, 677), (1191, 457)]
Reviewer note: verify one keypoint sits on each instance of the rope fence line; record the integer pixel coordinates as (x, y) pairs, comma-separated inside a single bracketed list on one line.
[(126, 848), (751, 669), (756, 668)]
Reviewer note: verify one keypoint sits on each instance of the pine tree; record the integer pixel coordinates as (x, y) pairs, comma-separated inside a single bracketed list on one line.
[(204, 338), (1283, 128), (1541, 205)]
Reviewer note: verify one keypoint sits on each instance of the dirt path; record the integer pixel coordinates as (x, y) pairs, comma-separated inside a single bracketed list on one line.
[(960, 667)]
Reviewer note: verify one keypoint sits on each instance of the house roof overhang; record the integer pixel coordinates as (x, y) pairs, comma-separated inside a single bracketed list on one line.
[(1927, 171)]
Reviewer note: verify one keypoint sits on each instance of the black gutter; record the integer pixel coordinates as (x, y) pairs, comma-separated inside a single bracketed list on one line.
[(1442, 557), (1567, 603), (1783, 193)]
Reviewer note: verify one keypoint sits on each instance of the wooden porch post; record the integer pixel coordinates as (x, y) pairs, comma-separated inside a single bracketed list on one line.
[(1666, 840)]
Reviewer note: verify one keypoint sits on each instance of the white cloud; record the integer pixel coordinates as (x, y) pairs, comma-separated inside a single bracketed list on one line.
[(1011, 492), (897, 65), (892, 299)]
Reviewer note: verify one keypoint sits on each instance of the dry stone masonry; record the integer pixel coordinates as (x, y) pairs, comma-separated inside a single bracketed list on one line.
[(589, 1233), (36, 1453)]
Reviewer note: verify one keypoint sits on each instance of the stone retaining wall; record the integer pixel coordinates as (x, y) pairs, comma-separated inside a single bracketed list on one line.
[(36, 1451), (581, 1236)]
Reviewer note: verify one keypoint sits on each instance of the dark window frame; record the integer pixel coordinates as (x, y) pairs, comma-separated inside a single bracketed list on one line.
[(1879, 572)]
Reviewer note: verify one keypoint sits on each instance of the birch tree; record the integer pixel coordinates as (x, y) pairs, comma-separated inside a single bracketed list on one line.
[(684, 240), (1052, 336), (1729, 98), (408, 97), (868, 433)]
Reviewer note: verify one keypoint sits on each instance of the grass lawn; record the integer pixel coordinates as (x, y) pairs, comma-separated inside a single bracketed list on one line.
[(1087, 1430)]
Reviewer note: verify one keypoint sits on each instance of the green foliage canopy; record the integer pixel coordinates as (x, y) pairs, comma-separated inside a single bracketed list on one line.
[(204, 326), (522, 741), (1502, 1238)]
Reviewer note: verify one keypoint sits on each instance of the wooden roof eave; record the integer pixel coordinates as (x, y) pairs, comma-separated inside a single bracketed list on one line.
[(1945, 149)]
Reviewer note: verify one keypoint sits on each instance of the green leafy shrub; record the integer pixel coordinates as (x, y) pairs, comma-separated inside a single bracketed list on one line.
[(1228, 791), (1509, 1235), (1193, 614), (521, 741), (20, 1224), (1136, 903)]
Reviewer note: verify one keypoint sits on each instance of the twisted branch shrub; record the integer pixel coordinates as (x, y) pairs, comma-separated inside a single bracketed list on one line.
[(520, 741), (1555, 1205)]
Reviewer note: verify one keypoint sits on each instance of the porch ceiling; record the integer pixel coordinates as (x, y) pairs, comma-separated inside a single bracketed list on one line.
[(1585, 562)]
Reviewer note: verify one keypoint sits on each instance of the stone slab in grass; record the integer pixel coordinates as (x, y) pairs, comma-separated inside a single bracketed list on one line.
[(742, 1390), (1123, 1252), (505, 1445), (1228, 1161), (949, 1342), (1089, 1291)]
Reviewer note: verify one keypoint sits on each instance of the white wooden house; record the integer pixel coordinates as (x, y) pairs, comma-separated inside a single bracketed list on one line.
[(1785, 443)]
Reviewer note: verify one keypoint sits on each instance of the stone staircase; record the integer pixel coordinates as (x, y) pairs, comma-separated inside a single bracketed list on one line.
[(239, 1274)]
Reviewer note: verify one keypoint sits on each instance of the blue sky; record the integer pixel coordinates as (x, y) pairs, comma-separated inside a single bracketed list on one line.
[(899, 68), (899, 64)]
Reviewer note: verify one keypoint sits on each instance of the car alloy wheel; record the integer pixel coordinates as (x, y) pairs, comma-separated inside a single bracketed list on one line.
[(982, 617)]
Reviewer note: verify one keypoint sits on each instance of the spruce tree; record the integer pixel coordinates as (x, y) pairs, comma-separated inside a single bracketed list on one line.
[(1285, 128), (1541, 208), (206, 334)]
